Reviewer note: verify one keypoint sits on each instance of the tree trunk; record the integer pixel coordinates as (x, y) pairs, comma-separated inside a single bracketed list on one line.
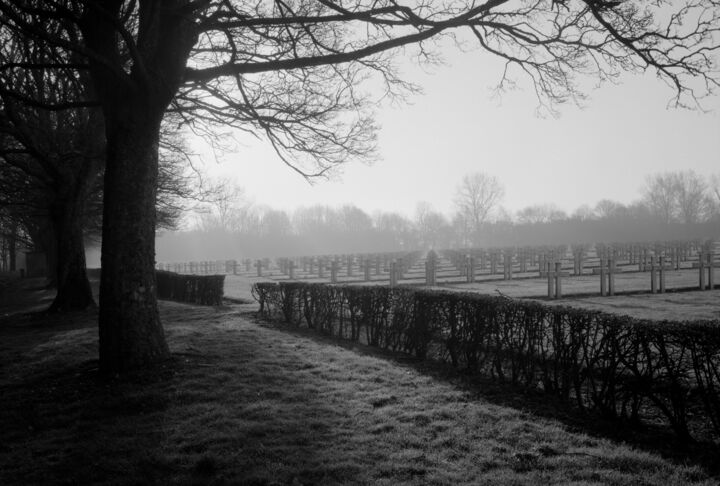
[(134, 103), (3, 253), (131, 335), (43, 237), (73, 287), (12, 245)]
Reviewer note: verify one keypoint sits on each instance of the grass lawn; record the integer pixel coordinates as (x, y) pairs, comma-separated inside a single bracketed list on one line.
[(579, 292), (243, 402)]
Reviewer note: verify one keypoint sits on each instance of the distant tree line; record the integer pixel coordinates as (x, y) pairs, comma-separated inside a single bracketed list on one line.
[(673, 205)]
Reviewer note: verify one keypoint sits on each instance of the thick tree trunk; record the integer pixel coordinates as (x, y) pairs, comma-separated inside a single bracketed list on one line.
[(12, 245), (73, 287), (134, 103), (131, 335), (3, 253), (43, 236)]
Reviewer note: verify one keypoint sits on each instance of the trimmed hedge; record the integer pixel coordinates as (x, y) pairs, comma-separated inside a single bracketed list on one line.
[(193, 289), (623, 367)]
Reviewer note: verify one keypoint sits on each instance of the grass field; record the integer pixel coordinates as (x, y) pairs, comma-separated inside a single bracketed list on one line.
[(686, 305), (243, 402)]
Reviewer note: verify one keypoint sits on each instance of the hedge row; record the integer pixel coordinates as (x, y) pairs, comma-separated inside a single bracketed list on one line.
[(620, 366), (193, 289)]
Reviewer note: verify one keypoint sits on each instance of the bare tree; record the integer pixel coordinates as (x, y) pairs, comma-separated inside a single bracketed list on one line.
[(462, 229), (226, 210), (638, 210), (432, 227), (477, 196), (678, 196), (398, 228), (714, 190), (607, 208), (660, 195), (293, 72), (313, 219), (540, 213), (584, 213), (355, 220), (274, 223), (693, 197)]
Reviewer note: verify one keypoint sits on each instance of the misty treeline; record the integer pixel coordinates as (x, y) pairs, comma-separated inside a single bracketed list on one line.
[(676, 205)]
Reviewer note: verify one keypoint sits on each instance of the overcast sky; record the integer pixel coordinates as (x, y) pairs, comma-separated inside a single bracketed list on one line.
[(604, 150)]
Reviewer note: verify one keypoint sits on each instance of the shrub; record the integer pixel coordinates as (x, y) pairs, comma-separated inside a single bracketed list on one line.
[(193, 289), (617, 365)]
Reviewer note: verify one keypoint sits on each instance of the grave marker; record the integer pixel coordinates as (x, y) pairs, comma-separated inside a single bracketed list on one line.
[(334, 265), (430, 269), (470, 268), (706, 262), (554, 273), (657, 269), (607, 276), (507, 266)]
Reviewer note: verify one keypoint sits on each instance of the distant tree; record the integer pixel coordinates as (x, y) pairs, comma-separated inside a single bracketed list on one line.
[(660, 195), (432, 227), (503, 216), (313, 220), (12, 237), (681, 196), (607, 208), (639, 210), (224, 208), (715, 187), (398, 228), (355, 220), (477, 195), (584, 213), (274, 223), (693, 197), (540, 213), (714, 191), (462, 230)]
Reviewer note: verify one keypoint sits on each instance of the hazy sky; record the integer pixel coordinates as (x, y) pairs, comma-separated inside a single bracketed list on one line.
[(603, 150)]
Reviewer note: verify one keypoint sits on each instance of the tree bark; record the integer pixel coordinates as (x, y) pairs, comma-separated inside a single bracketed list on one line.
[(12, 245), (133, 105), (42, 234), (131, 335), (73, 287)]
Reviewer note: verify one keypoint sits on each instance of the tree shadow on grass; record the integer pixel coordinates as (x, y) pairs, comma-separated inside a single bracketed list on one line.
[(658, 439), (67, 424)]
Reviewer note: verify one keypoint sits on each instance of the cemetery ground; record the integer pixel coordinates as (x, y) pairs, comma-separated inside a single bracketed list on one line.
[(632, 295), (243, 401)]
